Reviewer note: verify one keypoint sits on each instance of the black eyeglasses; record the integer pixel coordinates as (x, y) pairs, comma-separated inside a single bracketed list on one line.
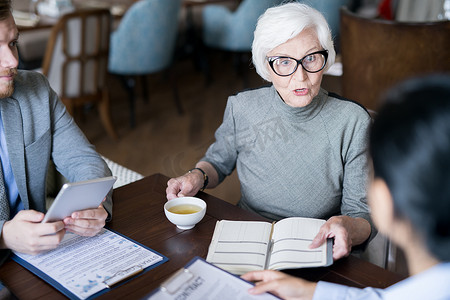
[(285, 66)]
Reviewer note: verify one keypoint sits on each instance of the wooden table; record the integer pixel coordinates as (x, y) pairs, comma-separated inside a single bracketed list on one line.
[(138, 213)]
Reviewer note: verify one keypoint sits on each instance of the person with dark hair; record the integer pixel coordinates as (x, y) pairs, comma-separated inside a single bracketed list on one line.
[(34, 129), (409, 197)]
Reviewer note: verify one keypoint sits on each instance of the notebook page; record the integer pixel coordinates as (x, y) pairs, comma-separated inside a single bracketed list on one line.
[(239, 247), (291, 238)]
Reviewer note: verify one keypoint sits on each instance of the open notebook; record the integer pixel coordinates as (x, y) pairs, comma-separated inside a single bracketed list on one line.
[(243, 246)]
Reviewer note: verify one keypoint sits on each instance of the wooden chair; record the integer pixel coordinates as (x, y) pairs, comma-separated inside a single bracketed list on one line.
[(76, 61), (376, 54)]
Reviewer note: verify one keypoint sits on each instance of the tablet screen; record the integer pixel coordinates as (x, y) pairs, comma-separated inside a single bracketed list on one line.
[(78, 196)]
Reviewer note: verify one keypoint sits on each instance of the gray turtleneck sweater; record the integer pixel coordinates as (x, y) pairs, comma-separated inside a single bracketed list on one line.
[(307, 162)]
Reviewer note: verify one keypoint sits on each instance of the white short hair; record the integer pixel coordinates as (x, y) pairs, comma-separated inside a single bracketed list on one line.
[(282, 23)]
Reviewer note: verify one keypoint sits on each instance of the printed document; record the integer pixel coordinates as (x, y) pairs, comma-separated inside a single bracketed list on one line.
[(83, 266), (199, 280)]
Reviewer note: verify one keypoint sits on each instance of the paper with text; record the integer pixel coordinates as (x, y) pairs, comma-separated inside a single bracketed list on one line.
[(203, 281), (82, 264)]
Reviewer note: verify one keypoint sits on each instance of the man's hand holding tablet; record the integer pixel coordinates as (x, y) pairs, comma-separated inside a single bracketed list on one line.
[(79, 206)]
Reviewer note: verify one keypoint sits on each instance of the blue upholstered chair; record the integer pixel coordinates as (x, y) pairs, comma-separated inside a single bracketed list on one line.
[(233, 30), (330, 10), (144, 43)]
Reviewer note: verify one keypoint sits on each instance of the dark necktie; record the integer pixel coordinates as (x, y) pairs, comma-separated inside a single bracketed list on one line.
[(4, 202)]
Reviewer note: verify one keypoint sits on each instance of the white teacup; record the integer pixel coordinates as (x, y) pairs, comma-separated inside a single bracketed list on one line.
[(185, 212)]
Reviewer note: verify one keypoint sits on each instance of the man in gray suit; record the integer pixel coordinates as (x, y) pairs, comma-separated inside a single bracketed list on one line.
[(34, 129)]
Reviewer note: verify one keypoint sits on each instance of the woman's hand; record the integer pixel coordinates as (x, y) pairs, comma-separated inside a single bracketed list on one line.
[(186, 185), (346, 231), (190, 183), (87, 222), (26, 234), (280, 284)]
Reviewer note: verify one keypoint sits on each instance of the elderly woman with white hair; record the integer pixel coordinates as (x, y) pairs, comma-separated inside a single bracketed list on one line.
[(298, 149)]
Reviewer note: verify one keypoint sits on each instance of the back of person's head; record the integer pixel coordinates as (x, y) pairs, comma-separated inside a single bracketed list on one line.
[(410, 149), (281, 23), (5, 9)]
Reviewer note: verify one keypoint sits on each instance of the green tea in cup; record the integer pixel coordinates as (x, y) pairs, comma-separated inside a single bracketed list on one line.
[(185, 209)]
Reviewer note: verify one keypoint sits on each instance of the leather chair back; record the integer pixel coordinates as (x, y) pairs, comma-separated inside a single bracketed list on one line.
[(377, 54)]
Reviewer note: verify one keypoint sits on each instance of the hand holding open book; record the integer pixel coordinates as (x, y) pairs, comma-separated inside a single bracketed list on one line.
[(243, 246)]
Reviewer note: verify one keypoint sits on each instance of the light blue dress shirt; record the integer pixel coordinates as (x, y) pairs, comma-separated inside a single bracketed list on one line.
[(432, 284), (12, 192)]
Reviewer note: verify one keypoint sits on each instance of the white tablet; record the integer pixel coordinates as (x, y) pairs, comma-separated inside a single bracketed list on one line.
[(78, 196)]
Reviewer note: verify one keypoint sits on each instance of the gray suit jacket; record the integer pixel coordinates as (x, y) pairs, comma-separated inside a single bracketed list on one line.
[(38, 128)]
